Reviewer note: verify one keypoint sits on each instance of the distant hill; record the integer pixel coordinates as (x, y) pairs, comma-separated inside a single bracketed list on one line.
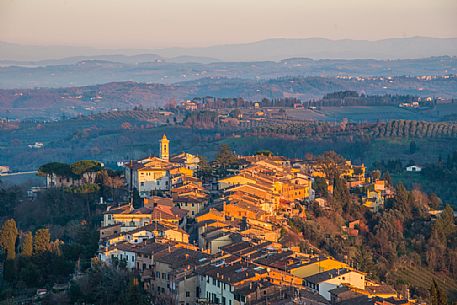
[(83, 71), (71, 101), (270, 49), (320, 48)]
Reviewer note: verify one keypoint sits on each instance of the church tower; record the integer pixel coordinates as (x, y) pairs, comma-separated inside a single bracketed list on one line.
[(164, 148)]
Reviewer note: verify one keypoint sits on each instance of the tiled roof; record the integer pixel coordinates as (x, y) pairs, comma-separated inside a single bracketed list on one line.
[(323, 276)]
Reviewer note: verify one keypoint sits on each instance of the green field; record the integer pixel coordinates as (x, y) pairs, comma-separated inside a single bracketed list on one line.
[(359, 114)]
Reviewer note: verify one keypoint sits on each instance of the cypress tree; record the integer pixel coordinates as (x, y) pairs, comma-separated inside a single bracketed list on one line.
[(27, 244), (8, 235), (437, 295), (41, 242)]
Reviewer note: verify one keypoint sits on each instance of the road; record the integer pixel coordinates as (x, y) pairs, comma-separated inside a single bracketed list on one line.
[(17, 173)]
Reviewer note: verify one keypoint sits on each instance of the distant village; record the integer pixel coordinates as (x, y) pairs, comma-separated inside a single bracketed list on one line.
[(227, 240)]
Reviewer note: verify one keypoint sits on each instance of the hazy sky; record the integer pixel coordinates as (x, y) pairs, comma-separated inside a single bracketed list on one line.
[(167, 23)]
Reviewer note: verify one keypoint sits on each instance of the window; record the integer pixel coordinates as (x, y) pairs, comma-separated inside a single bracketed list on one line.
[(133, 258), (187, 294), (142, 183)]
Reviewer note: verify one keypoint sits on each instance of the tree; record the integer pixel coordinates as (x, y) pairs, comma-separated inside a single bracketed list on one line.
[(204, 168), (412, 147), (437, 295), (264, 152), (135, 294), (105, 285), (341, 196), (8, 235), (84, 166), (364, 259), (401, 200), (225, 156), (445, 225), (333, 165), (387, 178), (27, 244), (60, 169), (435, 201), (41, 242), (320, 186), (376, 175)]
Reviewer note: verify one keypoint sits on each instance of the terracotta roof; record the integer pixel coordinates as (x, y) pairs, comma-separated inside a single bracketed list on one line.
[(323, 276), (231, 274), (181, 257)]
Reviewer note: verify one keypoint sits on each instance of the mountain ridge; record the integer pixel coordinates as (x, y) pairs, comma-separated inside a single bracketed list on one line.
[(267, 49)]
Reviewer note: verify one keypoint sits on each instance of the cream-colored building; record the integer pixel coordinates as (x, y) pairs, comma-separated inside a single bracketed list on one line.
[(323, 282)]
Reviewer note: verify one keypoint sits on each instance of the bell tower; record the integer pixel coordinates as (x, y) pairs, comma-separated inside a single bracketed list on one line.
[(164, 148)]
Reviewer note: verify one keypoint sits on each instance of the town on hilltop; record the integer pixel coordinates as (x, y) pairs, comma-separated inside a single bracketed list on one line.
[(225, 236), (256, 229)]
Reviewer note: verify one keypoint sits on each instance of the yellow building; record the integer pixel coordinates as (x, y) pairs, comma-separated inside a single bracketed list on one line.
[(127, 217), (164, 148), (234, 181), (317, 265)]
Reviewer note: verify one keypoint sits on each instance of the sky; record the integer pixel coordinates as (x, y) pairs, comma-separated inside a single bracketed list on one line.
[(199, 23)]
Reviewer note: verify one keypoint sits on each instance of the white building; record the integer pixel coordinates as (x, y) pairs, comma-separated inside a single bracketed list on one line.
[(218, 282), (413, 168), (323, 282)]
